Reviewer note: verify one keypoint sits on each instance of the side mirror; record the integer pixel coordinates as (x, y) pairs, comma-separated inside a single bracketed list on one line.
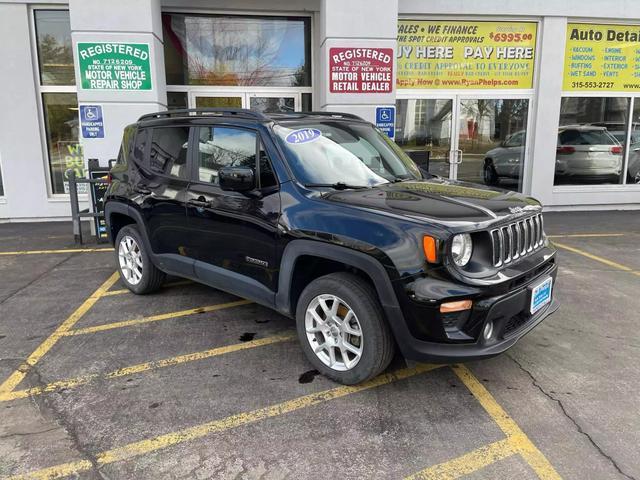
[(237, 179)]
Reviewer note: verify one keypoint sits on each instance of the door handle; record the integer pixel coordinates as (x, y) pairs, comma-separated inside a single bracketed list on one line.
[(456, 157), (200, 202)]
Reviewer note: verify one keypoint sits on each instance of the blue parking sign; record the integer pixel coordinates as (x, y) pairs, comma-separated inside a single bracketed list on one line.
[(91, 121), (386, 120)]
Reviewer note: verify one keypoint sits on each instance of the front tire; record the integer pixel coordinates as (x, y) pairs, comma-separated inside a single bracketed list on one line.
[(136, 270), (342, 329)]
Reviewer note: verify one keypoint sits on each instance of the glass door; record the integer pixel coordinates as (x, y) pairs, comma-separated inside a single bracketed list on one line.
[(491, 139), (267, 102), (424, 130)]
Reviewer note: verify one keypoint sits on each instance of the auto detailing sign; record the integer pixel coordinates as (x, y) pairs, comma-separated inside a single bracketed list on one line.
[(602, 57), (360, 70), (459, 55), (114, 66)]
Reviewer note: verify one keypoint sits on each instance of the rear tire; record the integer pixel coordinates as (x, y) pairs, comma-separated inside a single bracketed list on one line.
[(490, 175), (134, 264), (341, 312)]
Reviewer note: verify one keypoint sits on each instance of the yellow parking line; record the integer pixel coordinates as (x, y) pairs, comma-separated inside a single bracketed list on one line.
[(17, 376), (587, 235), (144, 367), (62, 250), (605, 261), (516, 437), (468, 463), (166, 285), (155, 318), (161, 442)]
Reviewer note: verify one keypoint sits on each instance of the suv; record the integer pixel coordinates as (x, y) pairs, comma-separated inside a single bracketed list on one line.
[(323, 218)]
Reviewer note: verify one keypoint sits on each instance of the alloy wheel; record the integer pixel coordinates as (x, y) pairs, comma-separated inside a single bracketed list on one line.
[(130, 259), (334, 332)]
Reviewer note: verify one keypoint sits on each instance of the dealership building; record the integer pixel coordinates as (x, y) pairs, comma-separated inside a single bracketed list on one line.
[(539, 97)]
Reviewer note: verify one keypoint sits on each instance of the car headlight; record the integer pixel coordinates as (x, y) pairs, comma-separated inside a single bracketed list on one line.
[(461, 249)]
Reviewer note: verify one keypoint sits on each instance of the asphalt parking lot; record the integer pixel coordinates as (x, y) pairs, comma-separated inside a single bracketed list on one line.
[(192, 382)]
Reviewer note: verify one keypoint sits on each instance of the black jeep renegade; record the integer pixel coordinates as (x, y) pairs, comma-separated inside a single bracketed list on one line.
[(323, 218)]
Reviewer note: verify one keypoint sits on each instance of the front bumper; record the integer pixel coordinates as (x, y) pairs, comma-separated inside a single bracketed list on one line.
[(510, 317)]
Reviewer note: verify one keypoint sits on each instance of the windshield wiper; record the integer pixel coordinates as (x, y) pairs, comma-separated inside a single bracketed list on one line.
[(336, 186)]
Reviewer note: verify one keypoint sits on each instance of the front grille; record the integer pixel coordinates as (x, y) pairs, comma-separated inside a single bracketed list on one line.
[(516, 240)]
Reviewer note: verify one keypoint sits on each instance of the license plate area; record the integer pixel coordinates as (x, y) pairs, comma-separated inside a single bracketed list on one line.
[(540, 295)]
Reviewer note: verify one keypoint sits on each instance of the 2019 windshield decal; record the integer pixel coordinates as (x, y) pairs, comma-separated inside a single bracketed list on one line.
[(303, 135)]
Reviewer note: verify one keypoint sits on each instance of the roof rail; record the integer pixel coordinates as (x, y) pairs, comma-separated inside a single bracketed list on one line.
[(183, 112), (333, 114)]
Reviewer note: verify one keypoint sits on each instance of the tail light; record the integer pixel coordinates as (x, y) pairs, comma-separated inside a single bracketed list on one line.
[(564, 150), (616, 150)]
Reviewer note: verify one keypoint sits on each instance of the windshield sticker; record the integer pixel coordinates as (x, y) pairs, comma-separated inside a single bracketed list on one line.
[(304, 135)]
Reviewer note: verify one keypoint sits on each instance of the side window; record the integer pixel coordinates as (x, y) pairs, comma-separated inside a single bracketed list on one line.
[(516, 140), (220, 147), (140, 146), (267, 177), (169, 151)]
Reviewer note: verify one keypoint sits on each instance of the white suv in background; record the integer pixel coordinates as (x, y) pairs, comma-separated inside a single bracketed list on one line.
[(588, 152)]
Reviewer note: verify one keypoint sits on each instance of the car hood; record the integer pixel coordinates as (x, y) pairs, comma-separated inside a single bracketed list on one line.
[(445, 201)]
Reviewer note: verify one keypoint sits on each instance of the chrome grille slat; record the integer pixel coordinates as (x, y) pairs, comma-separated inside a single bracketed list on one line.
[(516, 240)]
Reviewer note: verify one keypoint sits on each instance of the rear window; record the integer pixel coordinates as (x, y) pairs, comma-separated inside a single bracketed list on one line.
[(586, 137), (168, 154)]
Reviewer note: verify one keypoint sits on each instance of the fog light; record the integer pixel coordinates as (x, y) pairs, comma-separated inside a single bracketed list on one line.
[(488, 330)]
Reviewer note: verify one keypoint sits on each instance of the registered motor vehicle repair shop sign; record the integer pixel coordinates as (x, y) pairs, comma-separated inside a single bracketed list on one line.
[(114, 66)]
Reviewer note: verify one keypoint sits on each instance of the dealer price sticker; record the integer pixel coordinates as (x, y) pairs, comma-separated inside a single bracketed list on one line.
[(303, 135)]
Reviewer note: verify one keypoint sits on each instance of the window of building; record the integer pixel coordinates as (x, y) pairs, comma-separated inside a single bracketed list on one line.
[(242, 59), (58, 97), (592, 138), (168, 154), (220, 147), (237, 50)]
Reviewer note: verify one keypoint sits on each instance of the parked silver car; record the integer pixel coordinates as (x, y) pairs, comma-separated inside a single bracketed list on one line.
[(583, 151)]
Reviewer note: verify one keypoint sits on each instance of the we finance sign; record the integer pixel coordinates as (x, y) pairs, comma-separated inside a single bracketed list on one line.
[(114, 66)]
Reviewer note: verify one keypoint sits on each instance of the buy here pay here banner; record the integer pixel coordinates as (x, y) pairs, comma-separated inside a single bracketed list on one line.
[(465, 54)]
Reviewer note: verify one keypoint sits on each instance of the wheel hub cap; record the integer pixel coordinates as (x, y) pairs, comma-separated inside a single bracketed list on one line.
[(130, 259), (334, 332)]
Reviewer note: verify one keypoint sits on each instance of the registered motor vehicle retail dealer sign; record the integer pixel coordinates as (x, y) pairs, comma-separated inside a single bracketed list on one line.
[(114, 66), (360, 70)]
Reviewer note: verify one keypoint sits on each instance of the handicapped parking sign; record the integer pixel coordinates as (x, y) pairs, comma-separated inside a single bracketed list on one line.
[(386, 120), (91, 121)]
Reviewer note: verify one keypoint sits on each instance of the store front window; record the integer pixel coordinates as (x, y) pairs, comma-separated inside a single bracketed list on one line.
[(592, 135), (58, 97), (479, 140), (451, 116), (262, 63)]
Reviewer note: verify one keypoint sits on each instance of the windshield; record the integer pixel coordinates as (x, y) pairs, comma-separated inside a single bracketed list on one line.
[(354, 154)]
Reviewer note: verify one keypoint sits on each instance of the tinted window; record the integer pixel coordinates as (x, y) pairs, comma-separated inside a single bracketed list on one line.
[(169, 151), (140, 146), (220, 147), (586, 137), (267, 177)]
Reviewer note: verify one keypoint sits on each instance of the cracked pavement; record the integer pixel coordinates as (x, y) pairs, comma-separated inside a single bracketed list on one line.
[(572, 384)]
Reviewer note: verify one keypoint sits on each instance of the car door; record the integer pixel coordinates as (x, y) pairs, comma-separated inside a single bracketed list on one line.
[(161, 193), (233, 235)]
